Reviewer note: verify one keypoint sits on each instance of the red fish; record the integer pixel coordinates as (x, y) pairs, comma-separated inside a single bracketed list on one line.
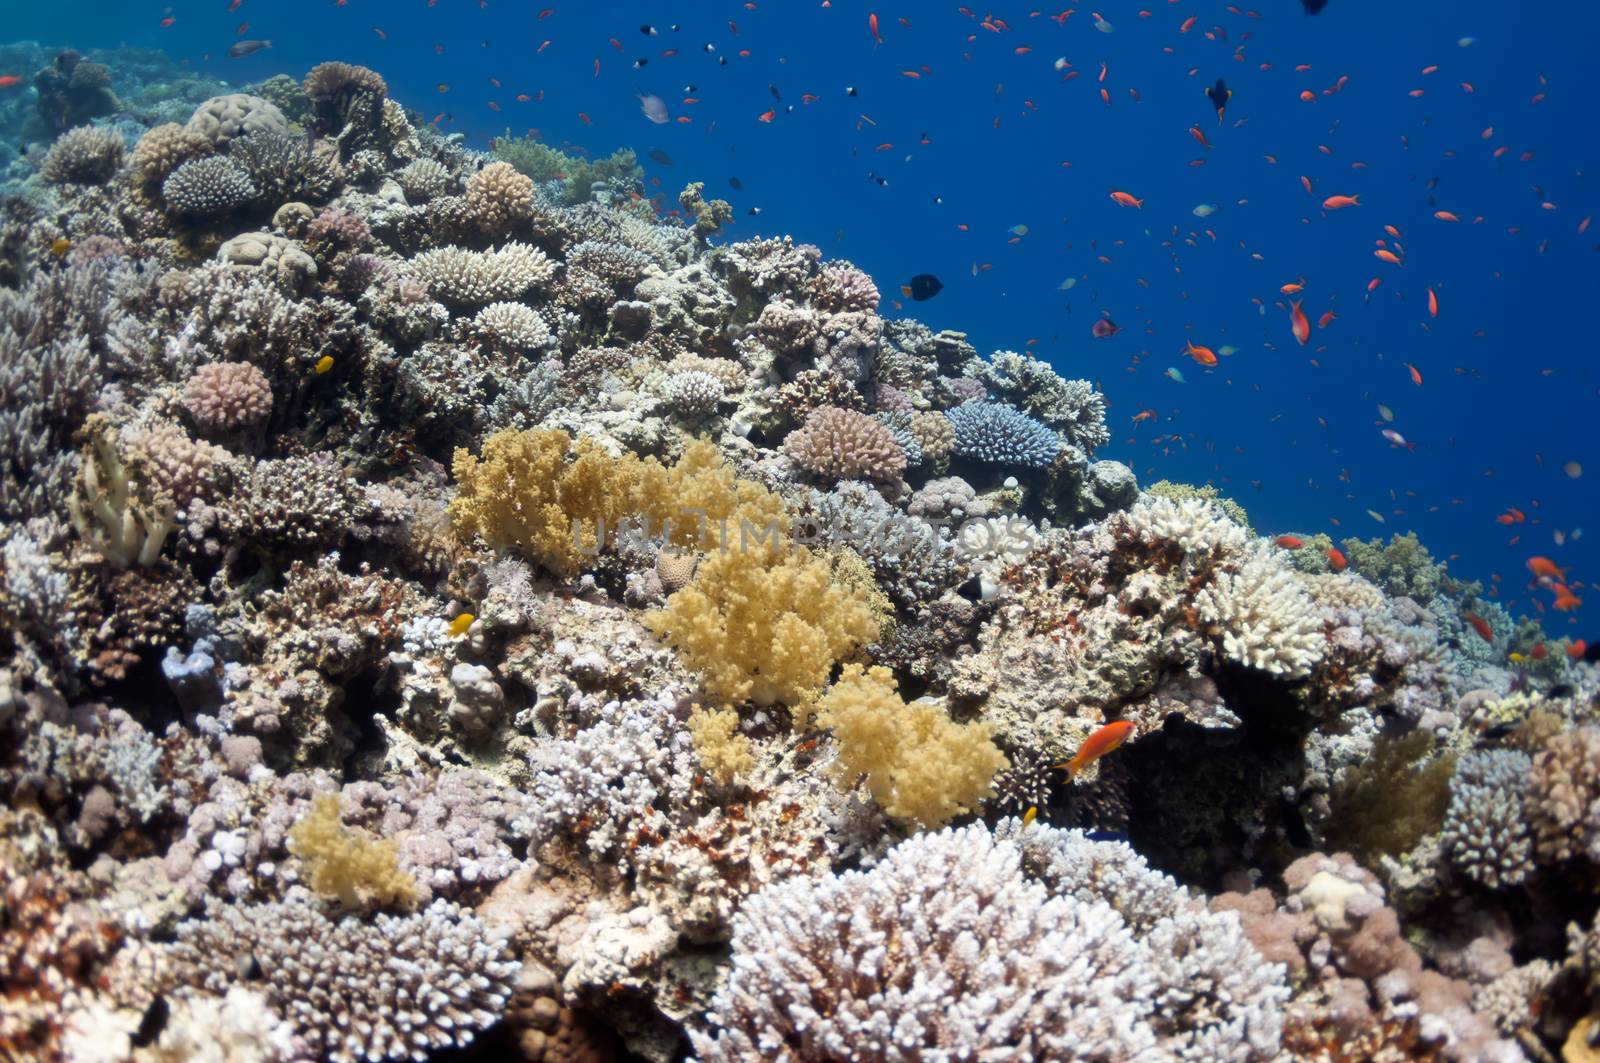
[(1544, 567), (1538, 653), (1298, 324), (10, 81), (1105, 328), (1576, 649), (872, 24), (1097, 745), (1336, 559), (1481, 626), (1204, 355), (1289, 542), (1127, 200)]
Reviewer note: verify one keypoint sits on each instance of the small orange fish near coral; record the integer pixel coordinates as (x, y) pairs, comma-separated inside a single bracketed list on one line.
[(1336, 559), (1289, 542), (1098, 745)]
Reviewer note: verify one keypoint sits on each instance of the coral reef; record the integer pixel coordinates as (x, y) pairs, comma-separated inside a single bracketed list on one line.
[(449, 595)]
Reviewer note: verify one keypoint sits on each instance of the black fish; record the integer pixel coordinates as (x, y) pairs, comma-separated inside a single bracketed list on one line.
[(1313, 7), (736, 184), (775, 93), (1561, 690), (647, 30), (659, 156), (1219, 95), (924, 286)]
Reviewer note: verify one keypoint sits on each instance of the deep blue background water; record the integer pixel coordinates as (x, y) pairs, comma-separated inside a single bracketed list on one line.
[(1510, 385)]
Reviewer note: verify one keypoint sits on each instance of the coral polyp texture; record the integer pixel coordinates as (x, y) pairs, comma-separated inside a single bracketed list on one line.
[(451, 597)]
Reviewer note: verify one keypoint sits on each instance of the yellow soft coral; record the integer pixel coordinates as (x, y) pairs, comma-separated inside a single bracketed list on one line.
[(722, 750), (348, 865), (764, 626), (525, 494), (921, 766)]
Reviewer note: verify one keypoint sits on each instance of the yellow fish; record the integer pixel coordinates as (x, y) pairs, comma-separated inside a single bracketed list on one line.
[(459, 625), (1029, 816), (1515, 658), (59, 246), (324, 364)]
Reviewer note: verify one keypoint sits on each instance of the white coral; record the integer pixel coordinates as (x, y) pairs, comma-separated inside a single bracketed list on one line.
[(1195, 525), (476, 278), (1267, 619)]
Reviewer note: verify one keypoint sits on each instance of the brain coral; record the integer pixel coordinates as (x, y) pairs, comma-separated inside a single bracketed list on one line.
[(947, 950), (999, 435), (207, 187), (475, 278), (87, 155), (499, 197), (845, 445), (226, 396), (222, 118), (277, 256)]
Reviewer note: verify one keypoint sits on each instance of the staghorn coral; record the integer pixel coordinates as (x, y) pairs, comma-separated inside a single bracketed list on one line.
[(839, 444), (225, 397), (397, 987), (997, 434), (87, 155), (920, 766)]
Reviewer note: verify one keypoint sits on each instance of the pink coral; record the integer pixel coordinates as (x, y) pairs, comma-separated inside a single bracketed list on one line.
[(225, 397)]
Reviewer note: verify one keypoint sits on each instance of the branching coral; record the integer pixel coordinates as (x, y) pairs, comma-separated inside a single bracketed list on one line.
[(87, 155), (395, 988), (476, 278), (999, 435), (842, 444), (920, 766), (119, 517), (948, 950), (1267, 619), (224, 397)]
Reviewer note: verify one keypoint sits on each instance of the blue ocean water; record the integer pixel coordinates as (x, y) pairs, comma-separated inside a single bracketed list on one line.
[(964, 126)]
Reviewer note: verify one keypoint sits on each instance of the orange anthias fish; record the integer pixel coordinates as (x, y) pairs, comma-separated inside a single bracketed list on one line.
[(1576, 650), (1340, 202), (1336, 559), (1204, 355), (1299, 324), (1097, 745), (1481, 626), (1289, 542), (1126, 200), (1543, 566)]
